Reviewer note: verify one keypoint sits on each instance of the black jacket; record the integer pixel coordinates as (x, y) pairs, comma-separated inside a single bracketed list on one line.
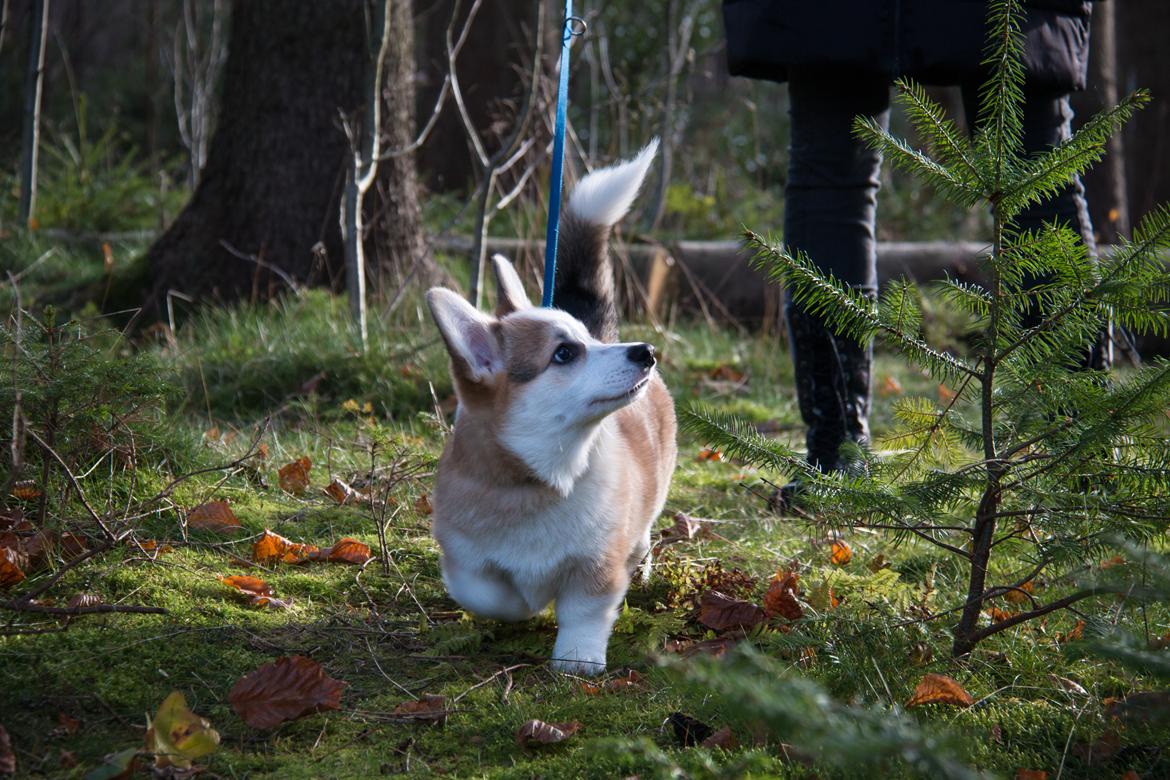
[(932, 41)]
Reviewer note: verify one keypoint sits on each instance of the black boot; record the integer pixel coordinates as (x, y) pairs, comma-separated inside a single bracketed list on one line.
[(833, 392)]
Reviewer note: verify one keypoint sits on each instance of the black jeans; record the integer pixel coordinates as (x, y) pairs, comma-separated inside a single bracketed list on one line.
[(830, 211)]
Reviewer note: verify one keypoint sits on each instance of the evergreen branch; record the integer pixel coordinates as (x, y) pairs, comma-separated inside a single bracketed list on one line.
[(1024, 617), (736, 439), (902, 156), (845, 311), (1044, 175), (931, 121), (937, 424), (1002, 97)]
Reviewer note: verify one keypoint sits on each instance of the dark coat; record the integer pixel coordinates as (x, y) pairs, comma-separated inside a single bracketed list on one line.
[(931, 41)]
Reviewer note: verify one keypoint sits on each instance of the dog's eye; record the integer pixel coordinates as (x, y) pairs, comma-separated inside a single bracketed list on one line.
[(566, 353)]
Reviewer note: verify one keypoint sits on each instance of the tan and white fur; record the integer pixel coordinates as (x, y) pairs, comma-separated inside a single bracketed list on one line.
[(564, 440)]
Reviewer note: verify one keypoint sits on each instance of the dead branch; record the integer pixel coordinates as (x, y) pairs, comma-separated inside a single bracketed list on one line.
[(73, 481)]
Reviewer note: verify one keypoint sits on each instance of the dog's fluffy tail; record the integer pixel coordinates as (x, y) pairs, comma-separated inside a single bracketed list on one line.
[(584, 284)]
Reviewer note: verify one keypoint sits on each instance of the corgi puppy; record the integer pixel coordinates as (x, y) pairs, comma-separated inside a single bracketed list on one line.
[(564, 440)]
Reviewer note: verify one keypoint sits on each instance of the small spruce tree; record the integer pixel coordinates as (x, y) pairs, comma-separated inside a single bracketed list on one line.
[(1024, 454)]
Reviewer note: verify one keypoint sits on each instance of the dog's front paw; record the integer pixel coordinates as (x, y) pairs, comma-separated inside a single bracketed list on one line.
[(583, 666)]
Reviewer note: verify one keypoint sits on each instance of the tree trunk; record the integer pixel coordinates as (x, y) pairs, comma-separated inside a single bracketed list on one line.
[(272, 185), (394, 236)]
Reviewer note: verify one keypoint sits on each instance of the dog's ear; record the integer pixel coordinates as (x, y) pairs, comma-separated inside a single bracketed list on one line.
[(469, 334), (510, 295)]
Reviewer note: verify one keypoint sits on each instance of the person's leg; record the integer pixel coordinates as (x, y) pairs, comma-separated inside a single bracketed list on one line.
[(1047, 123), (830, 207)]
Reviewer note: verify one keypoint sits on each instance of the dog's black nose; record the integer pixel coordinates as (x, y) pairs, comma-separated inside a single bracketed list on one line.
[(642, 354)]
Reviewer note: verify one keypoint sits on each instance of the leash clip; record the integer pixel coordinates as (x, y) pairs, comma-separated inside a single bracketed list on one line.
[(575, 27)]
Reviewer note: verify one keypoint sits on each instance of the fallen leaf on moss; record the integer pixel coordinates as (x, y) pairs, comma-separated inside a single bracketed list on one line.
[(1073, 634), (176, 736), (716, 648), (541, 733), (722, 613), (26, 490), (709, 454), (257, 591), (939, 689), (345, 551), (1020, 595), (10, 570), (213, 516), (422, 505), (294, 477), (82, 600), (685, 529), (999, 615), (428, 709), (273, 548), (289, 688), (781, 596), (66, 725), (1031, 774), (343, 494), (842, 553)]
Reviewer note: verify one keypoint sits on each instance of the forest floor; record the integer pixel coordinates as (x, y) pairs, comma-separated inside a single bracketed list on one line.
[(285, 376)]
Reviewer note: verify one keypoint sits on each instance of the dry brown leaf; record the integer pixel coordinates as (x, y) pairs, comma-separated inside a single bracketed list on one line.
[(939, 689), (294, 477), (81, 600), (7, 757), (781, 596), (290, 688), (1072, 635), (685, 528), (342, 493), (631, 680), (345, 551), (213, 516), (709, 454), (422, 505), (10, 570), (273, 548), (999, 615), (878, 563), (889, 386), (716, 648), (67, 759), (842, 553), (26, 490), (723, 738), (723, 613), (1031, 774), (1116, 560), (539, 732), (68, 725), (429, 709), (1020, 595), (257, 591)]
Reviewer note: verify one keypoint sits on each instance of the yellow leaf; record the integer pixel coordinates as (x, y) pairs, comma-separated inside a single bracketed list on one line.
[(177, 736)]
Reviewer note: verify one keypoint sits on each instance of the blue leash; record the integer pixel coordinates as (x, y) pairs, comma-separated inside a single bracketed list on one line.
[(574, 26)]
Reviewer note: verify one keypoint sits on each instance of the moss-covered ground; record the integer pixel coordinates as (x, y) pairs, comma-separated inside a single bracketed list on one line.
[(285, 371)]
